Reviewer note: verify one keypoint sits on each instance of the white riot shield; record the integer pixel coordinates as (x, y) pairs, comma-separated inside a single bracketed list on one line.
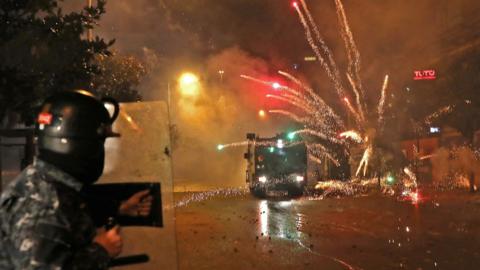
[(143, 154)]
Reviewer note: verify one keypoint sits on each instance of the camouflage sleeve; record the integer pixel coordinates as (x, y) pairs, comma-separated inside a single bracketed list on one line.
[(48, 246), (42, 237), (52, 250)]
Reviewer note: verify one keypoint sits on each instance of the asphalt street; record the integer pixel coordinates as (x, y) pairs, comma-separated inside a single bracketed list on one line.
[(233, 230)]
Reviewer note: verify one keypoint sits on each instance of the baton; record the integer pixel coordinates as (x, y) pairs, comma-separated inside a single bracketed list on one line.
[(126, 260)]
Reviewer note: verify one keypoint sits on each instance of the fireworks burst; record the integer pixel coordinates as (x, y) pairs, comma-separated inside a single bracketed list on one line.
[(323, 128), (363, 136), (318, 118), (235, 144), (262, 143)]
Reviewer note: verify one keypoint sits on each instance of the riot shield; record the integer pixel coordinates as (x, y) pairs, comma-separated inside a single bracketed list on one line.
[(141, 156)]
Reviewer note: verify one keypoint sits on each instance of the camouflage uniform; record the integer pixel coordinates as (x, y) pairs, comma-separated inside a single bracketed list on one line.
[(45, 223)]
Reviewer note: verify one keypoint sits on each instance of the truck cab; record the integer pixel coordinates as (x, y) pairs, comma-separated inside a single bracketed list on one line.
[(276, 166)]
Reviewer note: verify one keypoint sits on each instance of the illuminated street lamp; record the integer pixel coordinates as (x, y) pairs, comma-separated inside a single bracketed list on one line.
[(189, 85), (221, 72), (262, 113)]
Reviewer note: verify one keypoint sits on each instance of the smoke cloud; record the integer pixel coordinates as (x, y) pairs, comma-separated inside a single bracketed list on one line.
[(224, 112)]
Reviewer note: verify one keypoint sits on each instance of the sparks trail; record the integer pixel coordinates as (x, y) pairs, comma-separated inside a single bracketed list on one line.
[(442, 111), (381, 104), (236, 144), (318, 134), (337, 260), (315, 48), (364, 161), (275, 85), (289, 114), (357, 96), (352, 52), (321, 118), (321, 123), (355, 114), (193, 197), (293, 101), (324, 129), (322, 106), (320, 40), (352, 134), (262, 143), (316, 150)]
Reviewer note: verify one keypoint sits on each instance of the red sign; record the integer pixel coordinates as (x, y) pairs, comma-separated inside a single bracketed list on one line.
[(428, 74), (45, 118)]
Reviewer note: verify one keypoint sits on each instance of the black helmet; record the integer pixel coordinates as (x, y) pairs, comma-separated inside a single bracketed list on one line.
[(71, 130), (74, 116)]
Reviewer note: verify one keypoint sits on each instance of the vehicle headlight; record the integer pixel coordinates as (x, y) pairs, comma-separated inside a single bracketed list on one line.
[(299, 178), (262, 179)]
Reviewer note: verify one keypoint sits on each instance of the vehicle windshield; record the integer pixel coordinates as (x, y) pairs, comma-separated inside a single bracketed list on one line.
[(281, 161)]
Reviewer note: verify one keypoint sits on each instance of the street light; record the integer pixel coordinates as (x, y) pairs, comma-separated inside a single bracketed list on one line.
[(188, 84), (221, 72), (262, 113)]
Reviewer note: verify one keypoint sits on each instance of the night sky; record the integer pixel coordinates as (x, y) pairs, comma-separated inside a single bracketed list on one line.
[(393, 36)]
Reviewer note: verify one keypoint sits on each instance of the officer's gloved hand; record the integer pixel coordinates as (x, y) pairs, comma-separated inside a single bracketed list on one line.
[(138, 205), (111, 240)]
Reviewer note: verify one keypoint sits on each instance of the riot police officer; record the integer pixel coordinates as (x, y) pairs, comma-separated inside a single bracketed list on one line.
[(44, 220)]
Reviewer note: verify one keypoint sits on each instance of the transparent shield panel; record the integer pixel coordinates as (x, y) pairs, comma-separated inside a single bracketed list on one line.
[(143, 154)]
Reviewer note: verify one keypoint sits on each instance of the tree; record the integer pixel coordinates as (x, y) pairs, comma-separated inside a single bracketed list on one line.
[(43, 50), (461, 90), (118, 77), (453, 100)]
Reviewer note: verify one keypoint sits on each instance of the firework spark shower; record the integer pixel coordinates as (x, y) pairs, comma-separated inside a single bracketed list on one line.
[(318, 118), (327, 132)]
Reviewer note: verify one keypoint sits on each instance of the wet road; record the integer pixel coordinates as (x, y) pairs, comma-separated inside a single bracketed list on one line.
[(225, 231)]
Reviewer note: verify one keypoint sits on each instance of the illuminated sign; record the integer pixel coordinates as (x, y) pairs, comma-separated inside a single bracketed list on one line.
[(310, 58), (45, 118), (429, 74), (434, 130)]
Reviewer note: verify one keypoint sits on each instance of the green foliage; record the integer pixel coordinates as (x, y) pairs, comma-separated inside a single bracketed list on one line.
[(43, 50)]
